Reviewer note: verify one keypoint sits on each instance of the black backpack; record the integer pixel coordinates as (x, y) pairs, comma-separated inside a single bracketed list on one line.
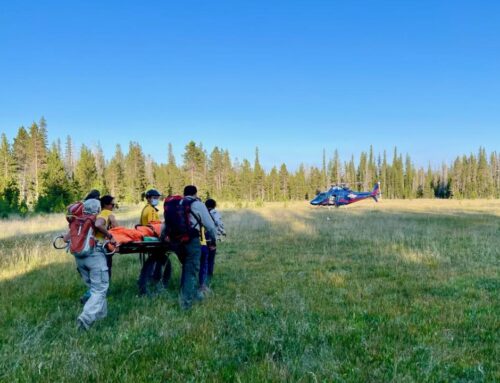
[(177, 212)]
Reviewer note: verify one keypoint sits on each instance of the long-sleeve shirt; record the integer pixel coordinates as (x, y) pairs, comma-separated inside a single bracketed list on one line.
[(218, 222), (199, 209)]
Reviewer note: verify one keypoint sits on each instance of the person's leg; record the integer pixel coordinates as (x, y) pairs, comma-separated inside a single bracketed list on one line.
[(96, 306), (211, 261), (160, 260), (145, 274), (181, 255), (109, 262), (83, 271), (84, 274), (191, 269), (203, 266), (167, 273)]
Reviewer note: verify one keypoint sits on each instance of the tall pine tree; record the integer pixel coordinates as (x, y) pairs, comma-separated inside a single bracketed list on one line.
[(38, 158), (7, 164), (56, 191), (86, 172), (135, 170), (115, 175), (259, 177)]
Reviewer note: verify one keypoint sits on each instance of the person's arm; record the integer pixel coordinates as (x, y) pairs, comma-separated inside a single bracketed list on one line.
[(146, 212), (100, 225), (213, 214), (218, 222), (201, 211), (112, 221)]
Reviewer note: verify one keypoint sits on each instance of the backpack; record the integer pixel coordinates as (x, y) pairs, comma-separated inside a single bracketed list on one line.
[(82, 240), (74, 210), (177, 211)]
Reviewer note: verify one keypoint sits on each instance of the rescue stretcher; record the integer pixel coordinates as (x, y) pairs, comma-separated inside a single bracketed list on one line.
[(142, 240)]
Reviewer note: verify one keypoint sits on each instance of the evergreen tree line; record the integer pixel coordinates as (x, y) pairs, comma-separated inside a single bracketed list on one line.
[(41, 178)]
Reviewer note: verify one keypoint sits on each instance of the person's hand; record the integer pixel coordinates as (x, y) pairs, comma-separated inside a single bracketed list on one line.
[(211, 247), (111, 239)]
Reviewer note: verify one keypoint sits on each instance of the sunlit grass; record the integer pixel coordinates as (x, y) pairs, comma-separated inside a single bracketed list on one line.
[(397, 291), (15, 226)]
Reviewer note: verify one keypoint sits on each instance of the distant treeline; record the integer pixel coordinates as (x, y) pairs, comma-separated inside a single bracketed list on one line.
[(39, 178)]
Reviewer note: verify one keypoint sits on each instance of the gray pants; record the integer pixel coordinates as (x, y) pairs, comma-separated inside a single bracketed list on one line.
[(94, 272)]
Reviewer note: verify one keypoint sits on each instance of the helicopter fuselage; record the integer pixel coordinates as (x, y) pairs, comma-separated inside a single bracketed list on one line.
[(339, 196)]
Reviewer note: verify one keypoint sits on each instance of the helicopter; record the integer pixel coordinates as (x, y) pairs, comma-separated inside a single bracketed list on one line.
[(340, 195)]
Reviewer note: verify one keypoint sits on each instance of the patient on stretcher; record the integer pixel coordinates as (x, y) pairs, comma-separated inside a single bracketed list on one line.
[(123, 235)]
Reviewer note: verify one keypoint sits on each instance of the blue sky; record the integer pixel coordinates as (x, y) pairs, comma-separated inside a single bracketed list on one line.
[(291, 77)]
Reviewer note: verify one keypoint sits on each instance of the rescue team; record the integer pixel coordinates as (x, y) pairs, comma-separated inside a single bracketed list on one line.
[(190, 227)]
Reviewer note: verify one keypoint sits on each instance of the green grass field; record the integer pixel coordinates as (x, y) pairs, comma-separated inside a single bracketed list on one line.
[(402, 291)]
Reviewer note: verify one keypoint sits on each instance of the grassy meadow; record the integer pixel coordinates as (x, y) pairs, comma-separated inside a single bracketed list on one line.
[(399, 291)]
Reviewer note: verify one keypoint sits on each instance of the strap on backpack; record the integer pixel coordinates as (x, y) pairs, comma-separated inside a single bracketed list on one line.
[(198, 219)]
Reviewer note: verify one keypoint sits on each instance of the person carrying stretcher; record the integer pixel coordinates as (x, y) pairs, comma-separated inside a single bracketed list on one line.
[(184, 219), (91, 261), (152, 267), (105, 220)]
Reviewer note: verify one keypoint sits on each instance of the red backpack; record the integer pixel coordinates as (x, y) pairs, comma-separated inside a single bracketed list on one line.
[(74, 210), (177, 211), (82, 235), (81, 230)]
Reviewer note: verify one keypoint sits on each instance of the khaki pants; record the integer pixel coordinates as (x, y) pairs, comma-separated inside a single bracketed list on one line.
[(94, 272)]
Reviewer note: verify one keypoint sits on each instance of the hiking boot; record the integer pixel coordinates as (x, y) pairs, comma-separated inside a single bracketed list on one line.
[(147, 289), (184, 304), (160, 288), (81, 326), (144, 293), (165, 281), (199, 296), (205, 291)]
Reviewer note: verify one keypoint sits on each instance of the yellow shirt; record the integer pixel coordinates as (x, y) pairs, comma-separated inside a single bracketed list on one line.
[(149, 213), (104, 214), (203, 239)]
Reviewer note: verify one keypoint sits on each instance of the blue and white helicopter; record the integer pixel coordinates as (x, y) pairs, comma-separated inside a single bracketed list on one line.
[(340, 195)]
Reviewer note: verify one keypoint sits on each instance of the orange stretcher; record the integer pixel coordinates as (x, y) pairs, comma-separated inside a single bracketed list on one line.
[(143, 239)]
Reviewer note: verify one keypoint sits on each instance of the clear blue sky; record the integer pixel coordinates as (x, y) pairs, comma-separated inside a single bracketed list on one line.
[(291, 77)]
